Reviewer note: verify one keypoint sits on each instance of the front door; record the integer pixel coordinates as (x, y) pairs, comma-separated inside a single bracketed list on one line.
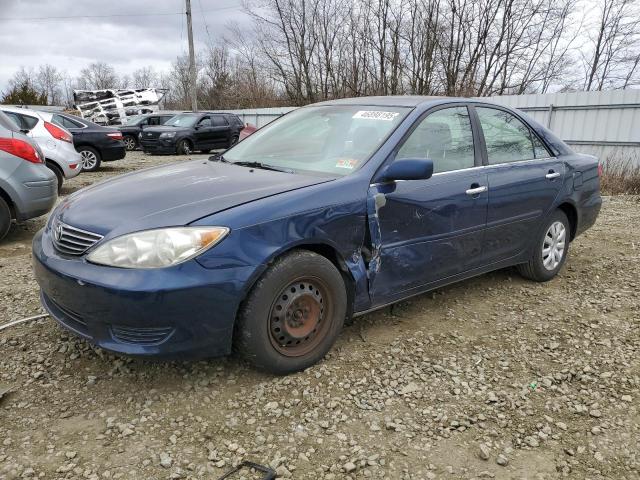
[(524, 181), (424, 231), (204, 133)]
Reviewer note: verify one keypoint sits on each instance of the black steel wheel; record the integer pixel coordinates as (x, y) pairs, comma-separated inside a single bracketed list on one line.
[(293, 315)]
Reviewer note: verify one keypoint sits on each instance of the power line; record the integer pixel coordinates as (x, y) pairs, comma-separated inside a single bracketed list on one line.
[(115, 15)]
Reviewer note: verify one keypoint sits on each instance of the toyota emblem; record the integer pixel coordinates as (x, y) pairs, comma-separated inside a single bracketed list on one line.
[(58, 231)]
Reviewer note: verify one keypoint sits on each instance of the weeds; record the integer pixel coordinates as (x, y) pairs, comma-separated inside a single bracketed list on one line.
[(621, 176)]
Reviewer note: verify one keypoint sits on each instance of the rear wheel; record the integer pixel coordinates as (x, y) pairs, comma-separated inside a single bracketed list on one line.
[(5, 218), (185, 147), (293, 314), (130, 142), (90, 159), (550, 251), (59, 176)]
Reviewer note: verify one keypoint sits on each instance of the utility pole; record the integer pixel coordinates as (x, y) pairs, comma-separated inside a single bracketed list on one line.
[(192, 60)]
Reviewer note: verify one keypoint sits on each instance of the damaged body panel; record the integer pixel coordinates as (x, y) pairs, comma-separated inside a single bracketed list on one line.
[(331, 211), (114, 106)]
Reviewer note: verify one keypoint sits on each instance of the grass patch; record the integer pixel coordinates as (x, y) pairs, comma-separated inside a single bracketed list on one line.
[(620, 176)]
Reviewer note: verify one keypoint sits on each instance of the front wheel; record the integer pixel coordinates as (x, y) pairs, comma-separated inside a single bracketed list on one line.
[(293, 315), (550, 251), (90, 159), (184, 147), (233, 140)]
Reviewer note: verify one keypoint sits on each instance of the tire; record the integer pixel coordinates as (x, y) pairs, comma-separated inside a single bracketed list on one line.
[(184, 147), (91, 159), (130, 142), (59, 176), (542, 266), (293, 314), (233, 141), (5, 218)]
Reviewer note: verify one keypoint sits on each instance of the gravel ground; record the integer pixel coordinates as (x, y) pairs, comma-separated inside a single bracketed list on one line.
[(495, 377)]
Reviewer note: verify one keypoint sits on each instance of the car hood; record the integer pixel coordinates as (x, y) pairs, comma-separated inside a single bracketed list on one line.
[(173, 195)]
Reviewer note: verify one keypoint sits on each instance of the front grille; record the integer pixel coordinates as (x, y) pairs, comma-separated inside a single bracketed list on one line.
[(72, 240), (141, 335)]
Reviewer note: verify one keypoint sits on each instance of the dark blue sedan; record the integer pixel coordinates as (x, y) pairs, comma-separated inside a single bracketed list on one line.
[(332, 211)]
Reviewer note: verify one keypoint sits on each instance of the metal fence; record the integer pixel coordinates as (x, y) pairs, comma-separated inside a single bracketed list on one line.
[(605, 124)]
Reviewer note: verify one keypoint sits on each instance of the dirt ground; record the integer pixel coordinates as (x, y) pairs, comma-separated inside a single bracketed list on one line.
[(495, 377)]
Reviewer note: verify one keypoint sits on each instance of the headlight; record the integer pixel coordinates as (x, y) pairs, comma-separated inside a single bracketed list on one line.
[(157, 248), (167, 134)]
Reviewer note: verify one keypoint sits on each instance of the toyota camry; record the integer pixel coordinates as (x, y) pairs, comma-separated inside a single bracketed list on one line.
[(333, 210)]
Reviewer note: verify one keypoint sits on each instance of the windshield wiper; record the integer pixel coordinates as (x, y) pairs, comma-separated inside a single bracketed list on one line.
[(263, 166)]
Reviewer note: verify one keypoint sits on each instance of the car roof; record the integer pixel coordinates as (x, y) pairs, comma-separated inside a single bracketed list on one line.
[(388, 101), (10, 108)]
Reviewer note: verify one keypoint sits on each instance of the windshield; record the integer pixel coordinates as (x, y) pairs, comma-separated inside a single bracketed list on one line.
[(332, 139), (183, 120), (136, 119)]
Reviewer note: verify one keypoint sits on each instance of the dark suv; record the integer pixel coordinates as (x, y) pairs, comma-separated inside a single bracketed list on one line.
[(188, 132), (134, 126)]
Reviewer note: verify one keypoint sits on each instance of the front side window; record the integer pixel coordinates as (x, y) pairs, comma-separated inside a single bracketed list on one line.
[(507, 138), (219, 121), (154, 121), (445, 137), (205, 122), (327, 139)]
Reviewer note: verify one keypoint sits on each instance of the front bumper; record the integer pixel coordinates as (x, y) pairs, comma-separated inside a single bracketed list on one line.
[(186, 311), (158, 146)]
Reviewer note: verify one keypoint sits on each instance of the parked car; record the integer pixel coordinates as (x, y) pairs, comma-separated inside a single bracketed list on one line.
[(135, 125), (55, 142), (188, 132), (247, 130), (28, 189), (331, 211), (95, 143)]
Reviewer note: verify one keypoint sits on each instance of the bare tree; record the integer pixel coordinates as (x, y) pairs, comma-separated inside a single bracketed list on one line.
[(98, 76), (145, 77)]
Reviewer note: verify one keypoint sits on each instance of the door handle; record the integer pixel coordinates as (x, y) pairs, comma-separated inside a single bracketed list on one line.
[(477, 190), (551, 175)]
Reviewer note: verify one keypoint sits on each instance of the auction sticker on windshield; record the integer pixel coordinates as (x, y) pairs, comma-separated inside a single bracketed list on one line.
[(375, 115), (347, 163)]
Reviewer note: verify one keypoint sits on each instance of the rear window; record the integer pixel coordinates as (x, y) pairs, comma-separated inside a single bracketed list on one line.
[(25, 122), (9, 123), (219, 121), (65, 122)]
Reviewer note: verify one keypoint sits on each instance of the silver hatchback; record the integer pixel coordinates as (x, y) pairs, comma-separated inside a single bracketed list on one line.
[(28, 188)]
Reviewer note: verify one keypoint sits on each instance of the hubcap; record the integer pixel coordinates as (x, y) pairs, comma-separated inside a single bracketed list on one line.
[(553, 245), (129, 143), (297, 321), (89, 159), (186, 148)]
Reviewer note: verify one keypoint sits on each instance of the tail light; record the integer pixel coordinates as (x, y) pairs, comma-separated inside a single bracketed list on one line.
[(115, 135), (21, 149), (600, 169), (58, 133)]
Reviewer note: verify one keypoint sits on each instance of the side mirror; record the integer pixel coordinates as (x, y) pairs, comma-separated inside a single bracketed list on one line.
[(408, 169)]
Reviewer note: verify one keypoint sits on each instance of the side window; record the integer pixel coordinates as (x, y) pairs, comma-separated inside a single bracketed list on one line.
[(507, 138), (205, 122), (219, 121), (164, 120), (154, 120), (68, 123), (445, 137), (58, 120)]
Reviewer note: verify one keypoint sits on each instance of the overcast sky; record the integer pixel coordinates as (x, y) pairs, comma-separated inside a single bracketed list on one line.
[(126, 41)]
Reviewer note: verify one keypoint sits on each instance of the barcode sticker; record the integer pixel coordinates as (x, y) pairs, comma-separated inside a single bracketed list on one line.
[(376, 115)]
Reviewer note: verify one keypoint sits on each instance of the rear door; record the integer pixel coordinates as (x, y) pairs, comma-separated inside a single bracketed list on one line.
[(425, 231), (524, 181), (221, 130)]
